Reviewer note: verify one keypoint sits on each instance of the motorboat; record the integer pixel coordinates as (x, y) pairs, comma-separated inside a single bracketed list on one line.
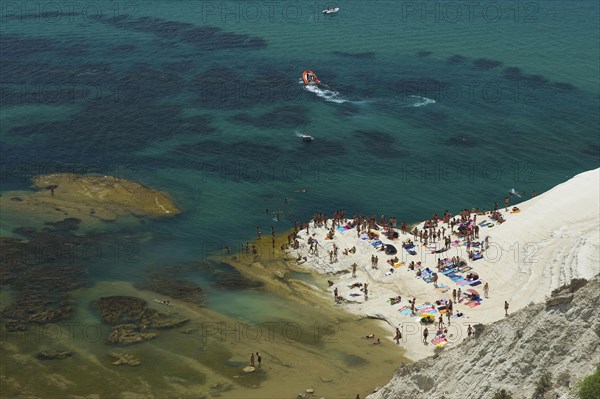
[(306, 137), (331, 10), (310, 78)]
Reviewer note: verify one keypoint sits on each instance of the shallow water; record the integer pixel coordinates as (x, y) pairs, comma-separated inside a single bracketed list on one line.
[(428, 113)]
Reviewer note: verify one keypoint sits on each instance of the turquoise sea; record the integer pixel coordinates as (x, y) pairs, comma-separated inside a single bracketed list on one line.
[(424, 106)]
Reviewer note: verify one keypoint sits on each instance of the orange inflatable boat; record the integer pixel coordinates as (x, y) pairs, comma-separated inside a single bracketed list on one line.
[(310, 78)]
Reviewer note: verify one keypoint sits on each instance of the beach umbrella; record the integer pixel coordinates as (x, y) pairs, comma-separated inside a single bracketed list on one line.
[(390, 249), (472, 291)]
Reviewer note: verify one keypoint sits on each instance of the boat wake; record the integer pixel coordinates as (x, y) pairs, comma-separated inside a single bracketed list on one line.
[(326, 94), (422, 101)]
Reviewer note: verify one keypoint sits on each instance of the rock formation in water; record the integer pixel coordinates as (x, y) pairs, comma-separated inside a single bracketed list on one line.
[(132, 321), (88, 198)]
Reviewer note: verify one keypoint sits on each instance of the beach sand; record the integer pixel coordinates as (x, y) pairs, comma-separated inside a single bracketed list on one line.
[(551, 240)]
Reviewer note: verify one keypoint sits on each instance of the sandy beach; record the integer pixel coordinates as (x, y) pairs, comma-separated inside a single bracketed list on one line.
[(551, 239)]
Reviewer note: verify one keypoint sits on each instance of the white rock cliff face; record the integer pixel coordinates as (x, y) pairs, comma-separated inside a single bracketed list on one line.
[(561, 336)]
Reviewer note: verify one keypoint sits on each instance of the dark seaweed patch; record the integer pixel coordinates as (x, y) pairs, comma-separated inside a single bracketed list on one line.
[(14, 47), (379, 143), (592, 149), (222, 87), (206, 38), (456, 59), (512, 73), (240, 150), (486, 64), (121, 49), (437, 116), (367, 55), (288, 116), (74, 50), (564, 86)]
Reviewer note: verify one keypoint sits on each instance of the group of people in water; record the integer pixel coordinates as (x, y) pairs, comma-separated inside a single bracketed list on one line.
[(254, 360)]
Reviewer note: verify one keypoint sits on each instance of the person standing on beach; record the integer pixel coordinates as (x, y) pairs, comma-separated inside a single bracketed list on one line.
[(506, 203), (469, 331), (425, 334), (486, 290), (258, 232), (505, 308), (440, 322), (335, 294), (398, 336), (354, 266), (454, 295), (258, 358), (366, 292), (252, 359), (458, 295)]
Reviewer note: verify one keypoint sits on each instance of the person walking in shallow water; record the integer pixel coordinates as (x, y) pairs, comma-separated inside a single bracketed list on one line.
[(258, 232), (398, 336), (505, 308)]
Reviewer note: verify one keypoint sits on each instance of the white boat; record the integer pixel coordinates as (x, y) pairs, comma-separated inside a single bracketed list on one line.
[(331, 10), (306, 137)]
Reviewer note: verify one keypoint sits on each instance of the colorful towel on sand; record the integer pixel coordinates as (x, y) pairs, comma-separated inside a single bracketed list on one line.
[(475, 283), (342, 229), (354, 294), (463, 282), (405, 311), (376, 243), (473, 304), (397, 265), (438, 340)]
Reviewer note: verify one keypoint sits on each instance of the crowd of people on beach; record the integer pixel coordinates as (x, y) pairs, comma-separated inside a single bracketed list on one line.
[(436, 235)]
